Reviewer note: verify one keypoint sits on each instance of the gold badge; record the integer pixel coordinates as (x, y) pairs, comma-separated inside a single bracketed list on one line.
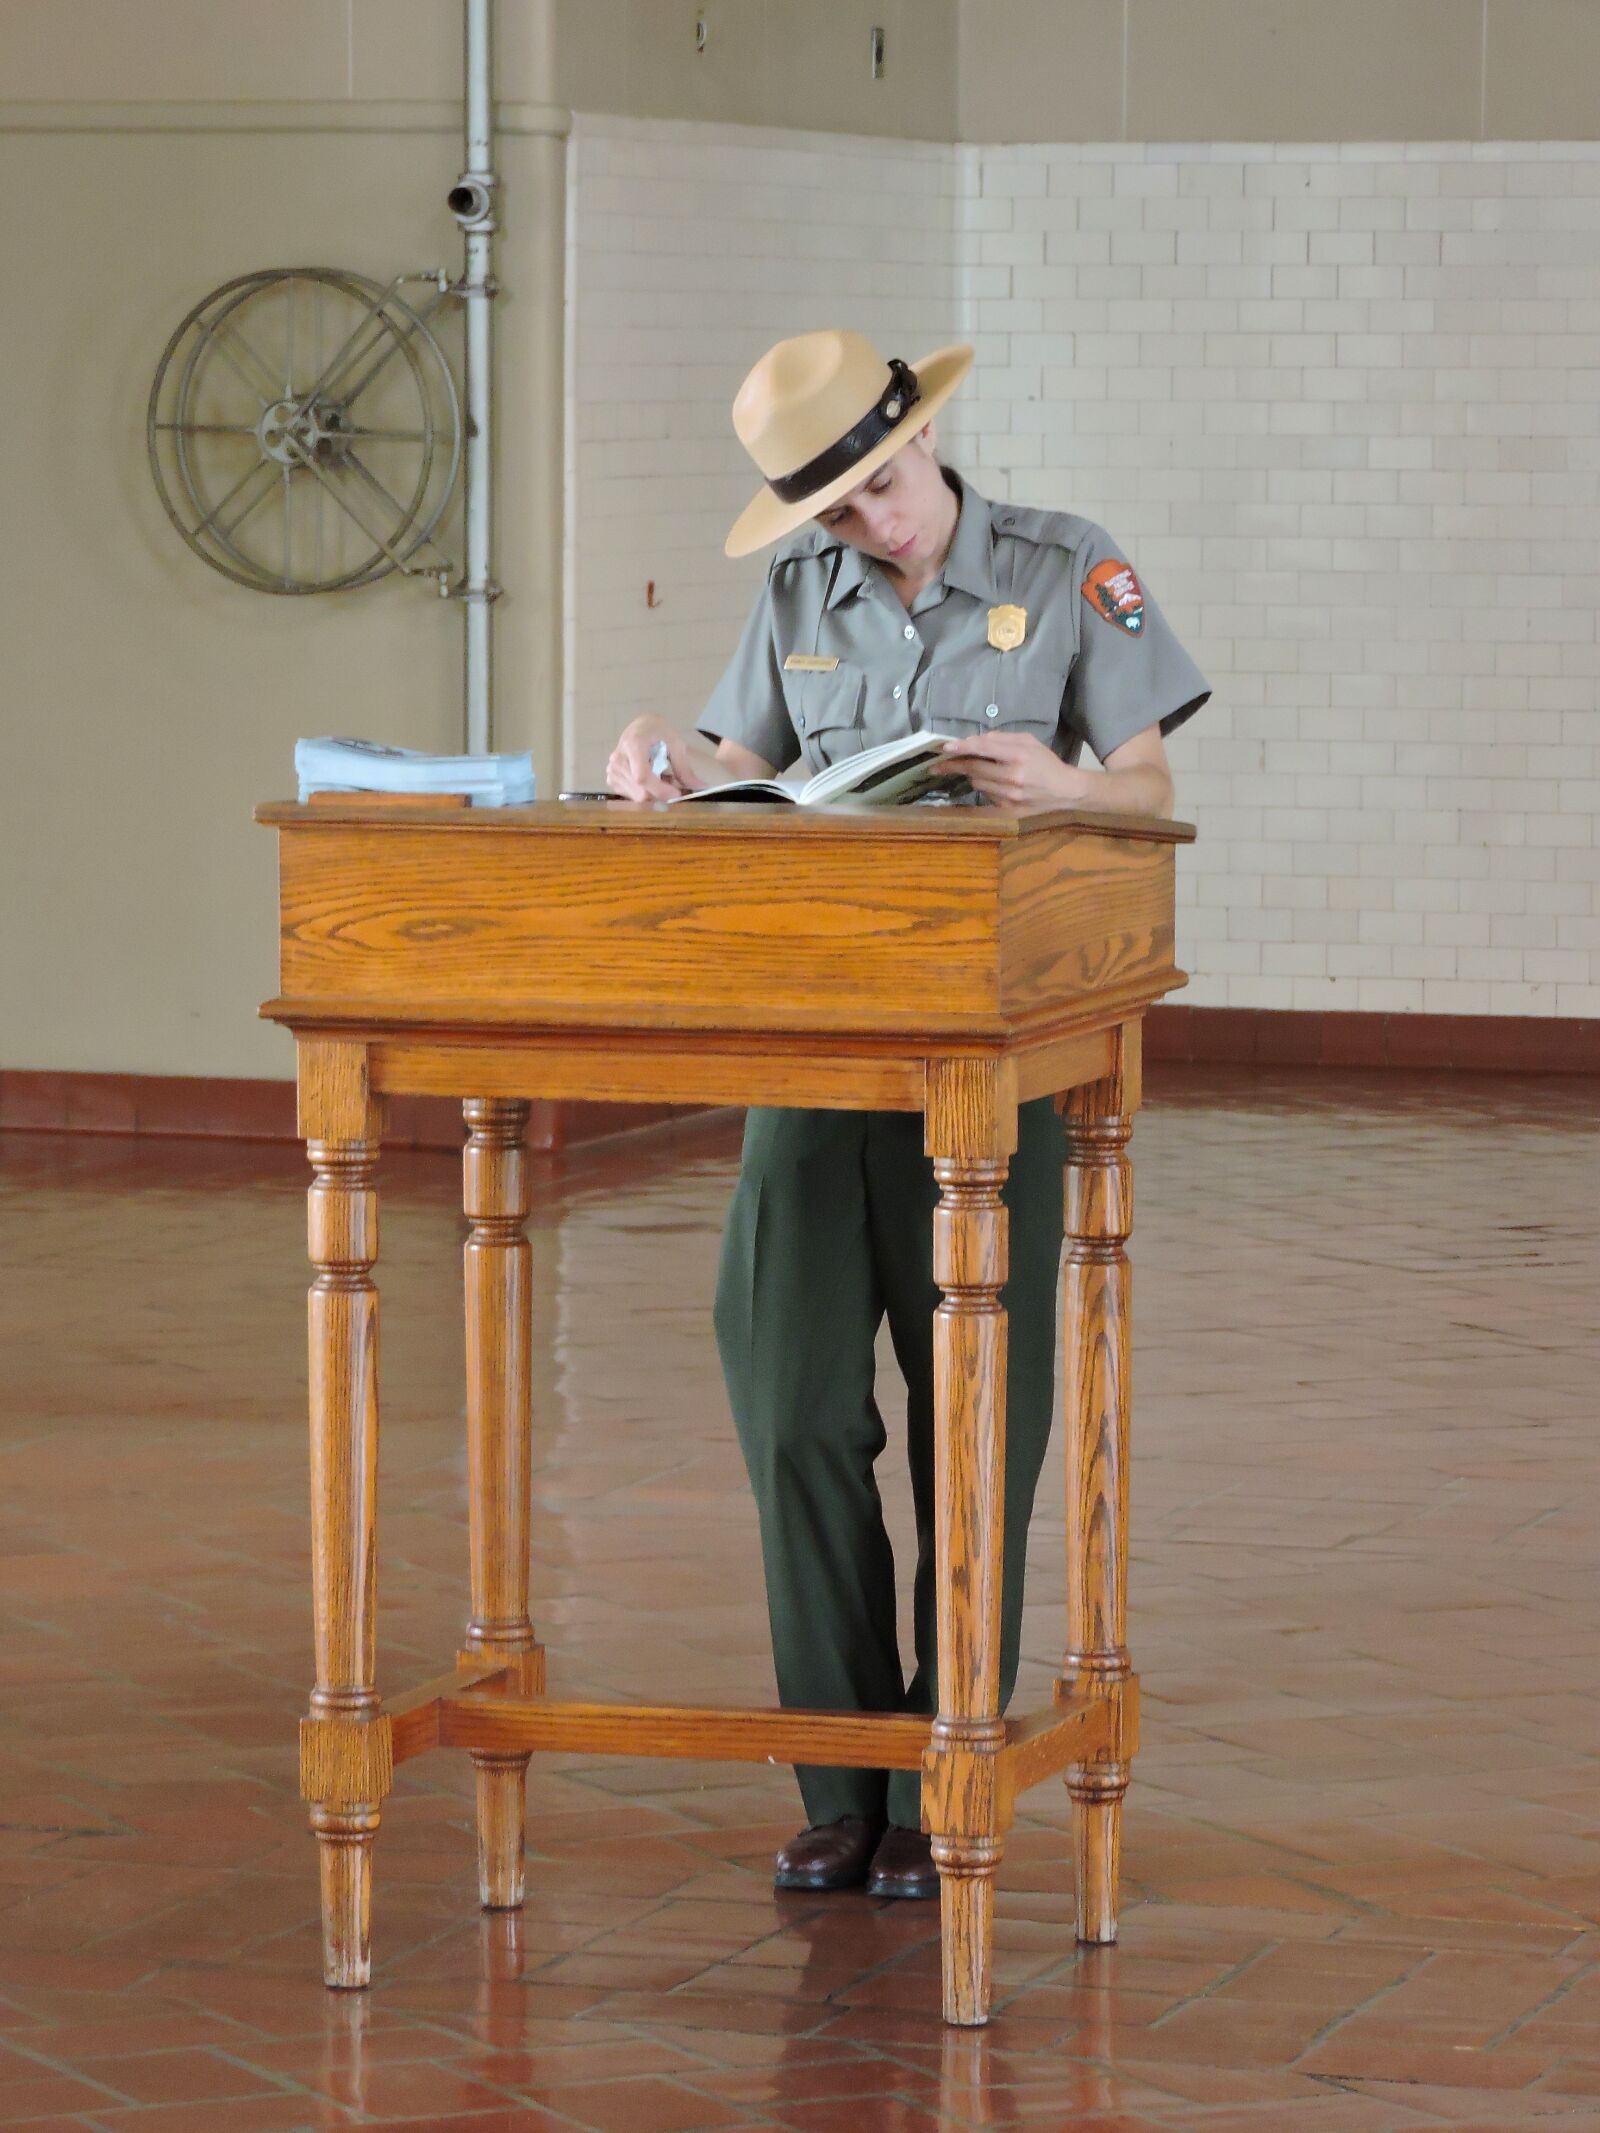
[(808, 663), (1007, 627)]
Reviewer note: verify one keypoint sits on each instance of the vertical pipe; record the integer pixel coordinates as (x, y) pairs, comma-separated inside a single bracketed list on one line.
[(474, 201), (479, 118)]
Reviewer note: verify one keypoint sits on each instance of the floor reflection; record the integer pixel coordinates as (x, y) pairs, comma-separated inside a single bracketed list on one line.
[(1361, 1848)]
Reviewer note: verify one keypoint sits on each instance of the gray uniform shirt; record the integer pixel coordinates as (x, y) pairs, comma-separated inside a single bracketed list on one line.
[(1098, 661)]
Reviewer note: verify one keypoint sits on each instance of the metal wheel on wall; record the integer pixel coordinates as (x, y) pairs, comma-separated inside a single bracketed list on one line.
[(304, 431)]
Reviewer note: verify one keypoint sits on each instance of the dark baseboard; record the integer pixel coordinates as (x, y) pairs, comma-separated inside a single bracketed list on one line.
[(194, 1106), (199, 1107), (1262, 1036)]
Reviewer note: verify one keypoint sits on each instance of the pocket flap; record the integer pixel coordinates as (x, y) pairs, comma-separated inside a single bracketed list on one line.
[(823, 702), (1025, 699)]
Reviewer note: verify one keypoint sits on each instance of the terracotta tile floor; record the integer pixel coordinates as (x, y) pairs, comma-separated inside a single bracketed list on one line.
[(1364, 1841)]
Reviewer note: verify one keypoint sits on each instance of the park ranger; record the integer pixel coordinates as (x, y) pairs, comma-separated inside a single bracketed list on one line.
[(899, 600)]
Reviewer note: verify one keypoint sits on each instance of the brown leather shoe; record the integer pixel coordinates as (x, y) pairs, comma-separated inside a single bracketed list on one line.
[(830, 1855), (903, 1865)]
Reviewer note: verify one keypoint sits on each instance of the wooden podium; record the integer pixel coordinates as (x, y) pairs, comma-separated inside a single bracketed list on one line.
[(949, 961)]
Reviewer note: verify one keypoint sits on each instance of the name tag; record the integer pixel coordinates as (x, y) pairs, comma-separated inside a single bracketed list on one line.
[(808, 663)]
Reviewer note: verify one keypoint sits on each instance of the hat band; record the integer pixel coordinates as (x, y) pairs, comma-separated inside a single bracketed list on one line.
[(901, 393)]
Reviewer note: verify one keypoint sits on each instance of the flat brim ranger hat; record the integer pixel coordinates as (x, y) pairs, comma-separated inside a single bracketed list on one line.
[(818, 413)]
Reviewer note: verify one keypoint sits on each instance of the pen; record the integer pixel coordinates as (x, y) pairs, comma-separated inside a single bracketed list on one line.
[(660, 767)]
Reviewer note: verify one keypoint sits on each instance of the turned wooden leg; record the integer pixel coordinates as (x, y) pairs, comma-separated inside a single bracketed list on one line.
[(345, 1754), (499, 1291), (971, 1131), (1097, 1324), (344, 1856)]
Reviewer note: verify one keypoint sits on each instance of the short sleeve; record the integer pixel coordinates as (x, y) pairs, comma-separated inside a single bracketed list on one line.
[(1131, 672), (747, 705)]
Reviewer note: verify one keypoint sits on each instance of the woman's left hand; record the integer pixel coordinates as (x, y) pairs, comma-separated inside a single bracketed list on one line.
[(1017, 771)]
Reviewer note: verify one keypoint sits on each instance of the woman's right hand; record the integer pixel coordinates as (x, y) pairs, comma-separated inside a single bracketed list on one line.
[(629, 773)]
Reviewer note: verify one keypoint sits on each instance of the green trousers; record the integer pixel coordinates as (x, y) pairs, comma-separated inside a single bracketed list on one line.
[(830, 1228)]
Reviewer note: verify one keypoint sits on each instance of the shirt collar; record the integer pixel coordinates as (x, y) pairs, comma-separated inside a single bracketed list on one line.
[(850, 574), (969, 566)]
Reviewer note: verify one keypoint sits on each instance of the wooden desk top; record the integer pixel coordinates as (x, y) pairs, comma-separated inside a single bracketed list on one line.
[(711, 818), (936, 924)]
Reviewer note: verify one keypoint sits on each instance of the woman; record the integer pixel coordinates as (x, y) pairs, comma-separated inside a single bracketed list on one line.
[(899, 600)]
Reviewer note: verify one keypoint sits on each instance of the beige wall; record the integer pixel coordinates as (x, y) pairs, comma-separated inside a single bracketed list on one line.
[(1278, 70), (803, 63), (766, 62), (150, 703), (151, 149), (161, 147), (978, 70), (262, 51)]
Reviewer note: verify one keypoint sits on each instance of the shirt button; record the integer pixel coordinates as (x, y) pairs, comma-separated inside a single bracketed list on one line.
[(991, 710), (898, 692), (910, 630)]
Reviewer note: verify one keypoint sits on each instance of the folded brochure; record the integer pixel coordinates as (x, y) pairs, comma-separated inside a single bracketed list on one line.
[(332, 764)]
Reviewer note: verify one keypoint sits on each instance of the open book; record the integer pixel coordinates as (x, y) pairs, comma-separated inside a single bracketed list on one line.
[(899, 771)]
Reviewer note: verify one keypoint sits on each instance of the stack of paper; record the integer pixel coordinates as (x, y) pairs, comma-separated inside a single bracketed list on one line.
[(372, 766)]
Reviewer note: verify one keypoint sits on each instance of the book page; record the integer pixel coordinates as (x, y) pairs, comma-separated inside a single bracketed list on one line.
[(873, 772), (897, 784), (742, 789)]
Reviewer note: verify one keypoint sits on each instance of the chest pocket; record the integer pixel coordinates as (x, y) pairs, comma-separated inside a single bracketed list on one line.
[(826, 712), (997, 694)]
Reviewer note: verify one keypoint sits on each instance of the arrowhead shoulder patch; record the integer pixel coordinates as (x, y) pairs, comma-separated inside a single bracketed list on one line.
[(1113, 591)]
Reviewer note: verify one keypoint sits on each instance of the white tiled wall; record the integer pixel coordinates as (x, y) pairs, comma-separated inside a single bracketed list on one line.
[(1338, 403), (691, 249)]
